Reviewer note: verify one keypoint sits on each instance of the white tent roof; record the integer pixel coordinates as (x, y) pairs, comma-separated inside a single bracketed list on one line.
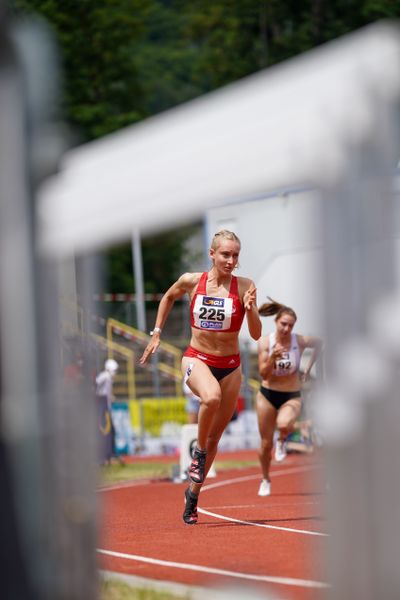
[(285, 125)]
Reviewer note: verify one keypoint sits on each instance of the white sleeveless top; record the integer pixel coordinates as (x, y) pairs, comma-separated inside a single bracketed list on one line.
[(289, 363)]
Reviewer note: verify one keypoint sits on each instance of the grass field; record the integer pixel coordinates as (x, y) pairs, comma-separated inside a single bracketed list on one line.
[(116, 473), (116, 590)]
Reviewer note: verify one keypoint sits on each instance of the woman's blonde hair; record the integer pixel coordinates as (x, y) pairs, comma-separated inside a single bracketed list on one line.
[(268, 309), (226, 235)]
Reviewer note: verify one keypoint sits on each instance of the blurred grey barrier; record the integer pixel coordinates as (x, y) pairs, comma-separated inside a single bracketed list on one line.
[(47, 516), (329, 118)]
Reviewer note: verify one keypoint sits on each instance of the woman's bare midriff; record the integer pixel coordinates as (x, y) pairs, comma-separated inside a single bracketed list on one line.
[(217, 343), (288, 383)]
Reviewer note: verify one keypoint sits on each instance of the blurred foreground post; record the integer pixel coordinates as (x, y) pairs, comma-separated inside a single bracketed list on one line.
[(360, 411), (47, 516), (330, 119)]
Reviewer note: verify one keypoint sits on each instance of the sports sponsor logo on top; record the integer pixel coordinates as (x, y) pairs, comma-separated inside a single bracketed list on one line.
[(209, 301), (210, 325)]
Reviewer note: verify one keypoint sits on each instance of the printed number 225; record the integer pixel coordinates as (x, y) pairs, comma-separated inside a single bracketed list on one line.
[(211, 314)]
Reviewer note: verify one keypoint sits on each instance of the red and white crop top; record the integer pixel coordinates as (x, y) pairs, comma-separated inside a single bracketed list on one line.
[(211, 313)]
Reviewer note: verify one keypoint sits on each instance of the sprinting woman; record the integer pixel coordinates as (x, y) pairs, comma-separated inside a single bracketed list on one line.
[(211, 364), (279, 398)]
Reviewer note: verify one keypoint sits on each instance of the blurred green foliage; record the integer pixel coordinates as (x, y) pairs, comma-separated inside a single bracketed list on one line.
[(163, 256), (126, 60)]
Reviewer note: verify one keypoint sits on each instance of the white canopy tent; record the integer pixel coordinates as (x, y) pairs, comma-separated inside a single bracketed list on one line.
[(289, 124)]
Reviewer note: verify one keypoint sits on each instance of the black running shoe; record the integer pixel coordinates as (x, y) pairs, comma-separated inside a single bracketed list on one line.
[(196, 469), (190, 512)]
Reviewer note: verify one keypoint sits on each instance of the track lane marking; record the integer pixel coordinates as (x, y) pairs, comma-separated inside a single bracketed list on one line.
[(214, 571), (278, 505), (282, 472), (288, 471), (233, 520), (124, 484)]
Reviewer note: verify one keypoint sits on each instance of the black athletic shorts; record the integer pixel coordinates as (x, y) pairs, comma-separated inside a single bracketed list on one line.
[(277, 399), (221, 373)]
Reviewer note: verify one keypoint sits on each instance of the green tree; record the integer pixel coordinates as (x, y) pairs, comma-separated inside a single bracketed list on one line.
[(96, 40), (125, 60)]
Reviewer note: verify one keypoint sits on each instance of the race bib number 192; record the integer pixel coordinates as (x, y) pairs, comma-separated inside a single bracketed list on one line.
[(284, 364)]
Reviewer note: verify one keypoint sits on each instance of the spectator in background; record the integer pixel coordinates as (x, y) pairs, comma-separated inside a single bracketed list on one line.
[(104, 381), (279, 400), (105, 398)]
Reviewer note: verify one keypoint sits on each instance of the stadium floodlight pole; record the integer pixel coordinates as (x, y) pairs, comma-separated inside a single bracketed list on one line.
[(138, 276)]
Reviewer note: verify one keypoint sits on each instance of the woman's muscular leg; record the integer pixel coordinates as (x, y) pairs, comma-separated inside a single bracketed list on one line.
[(229, 387), (203, 383), (266, 416)]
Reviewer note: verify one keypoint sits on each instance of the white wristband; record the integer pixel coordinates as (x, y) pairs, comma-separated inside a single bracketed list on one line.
[(156, 330)]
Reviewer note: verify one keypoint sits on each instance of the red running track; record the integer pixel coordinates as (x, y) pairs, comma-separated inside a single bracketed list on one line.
[(276, 544)]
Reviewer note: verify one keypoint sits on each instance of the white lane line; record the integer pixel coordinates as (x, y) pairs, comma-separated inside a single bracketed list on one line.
[(139, 482), (289, 529), (270, 505), (211, 570), (288, 471), (265, 526), (124, 484)]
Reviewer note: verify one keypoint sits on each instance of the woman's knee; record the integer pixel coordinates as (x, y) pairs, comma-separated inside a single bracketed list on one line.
[(266, 445), (284, 425), (211, 400), (285, 420)]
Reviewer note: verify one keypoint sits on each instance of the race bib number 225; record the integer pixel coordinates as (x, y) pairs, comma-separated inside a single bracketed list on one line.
[(212, 313)]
